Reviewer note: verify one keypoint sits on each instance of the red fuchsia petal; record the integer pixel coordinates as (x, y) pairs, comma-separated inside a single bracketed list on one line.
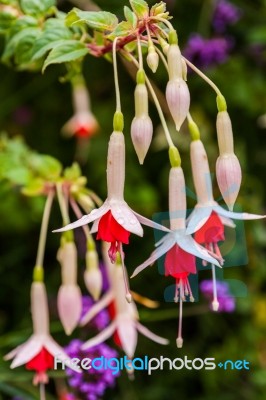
[(212, 231), (112, 313), (41, 362), (178, 262), (109, 230), (83, 131)]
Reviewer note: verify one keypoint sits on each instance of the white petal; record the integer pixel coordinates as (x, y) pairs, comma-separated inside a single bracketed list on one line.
[(197, 219), (230, 214), (13, 352), (150, 223), (227, 222), (29, 350), (146, 332), (157, 253), (86, 219), (188, 244), (94, 227), (57, 351), (127, 332), (101, 337), (126, 218), (97, 307)]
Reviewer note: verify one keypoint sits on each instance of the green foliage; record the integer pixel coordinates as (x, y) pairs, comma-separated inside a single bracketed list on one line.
[(99, 20), (65, 51), (37, 8), (140, 7)]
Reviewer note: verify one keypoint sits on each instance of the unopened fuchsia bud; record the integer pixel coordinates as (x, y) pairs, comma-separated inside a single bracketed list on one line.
[(69, 300), (201, 173), (177, 93), (141, 127), (92, 274), (152, 59), (228, 170)]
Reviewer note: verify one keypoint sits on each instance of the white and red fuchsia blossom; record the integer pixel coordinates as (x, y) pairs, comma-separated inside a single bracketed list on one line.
[(38, 352), (125, 325), (208, 219), (114, 221), (181, 249)]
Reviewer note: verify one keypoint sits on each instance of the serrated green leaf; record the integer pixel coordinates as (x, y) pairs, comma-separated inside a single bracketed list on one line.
[(21, 36), (130, 17), (99, 20), (124, 28), (158, 8), (53, 35), (23, 51), (36, 7), (140, 7), (22, 23), (67, 51)]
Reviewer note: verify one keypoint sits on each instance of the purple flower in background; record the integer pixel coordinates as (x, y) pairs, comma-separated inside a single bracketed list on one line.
[(207, 52), (225, 298), (101, 320), (91, 383), (225, 13)]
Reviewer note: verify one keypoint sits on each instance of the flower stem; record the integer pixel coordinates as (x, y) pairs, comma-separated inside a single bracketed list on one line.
[(44, 228), (79, 215), (117, 92), (140, 54), (204, 77)]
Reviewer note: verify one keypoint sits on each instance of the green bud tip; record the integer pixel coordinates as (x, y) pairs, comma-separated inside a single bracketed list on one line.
[(38, 274), (194, 130), (173, 37), (221, 103), (90, 244), (67, 236), (118, 121), (174, 156), (118, 260), (140, 76)]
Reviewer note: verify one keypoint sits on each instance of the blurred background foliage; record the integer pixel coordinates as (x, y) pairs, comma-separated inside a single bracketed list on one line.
[(35, 107)]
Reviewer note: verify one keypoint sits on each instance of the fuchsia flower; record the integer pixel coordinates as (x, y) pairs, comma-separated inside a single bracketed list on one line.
[(114, 221), (40, 349), (181, 249), (125, 324)]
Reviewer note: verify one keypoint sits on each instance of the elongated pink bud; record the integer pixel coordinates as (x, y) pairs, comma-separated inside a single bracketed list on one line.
[(141, 127), (141, 135), (178, 100), (69, 300), (69, 306), (177, 199), (93, 275), (116, 166), (229, 176), (201, 172), (39, 308), (152, 59)]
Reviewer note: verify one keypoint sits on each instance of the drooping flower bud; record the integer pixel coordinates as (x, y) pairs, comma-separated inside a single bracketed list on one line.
[(228, 174), (152, 59), (141, 127), (92, 274), (69, 300), (177, 93), (116, 166), (228, 170), (201, 172)]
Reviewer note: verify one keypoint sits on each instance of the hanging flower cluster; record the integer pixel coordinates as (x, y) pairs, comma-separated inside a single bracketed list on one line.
[(113, 221)]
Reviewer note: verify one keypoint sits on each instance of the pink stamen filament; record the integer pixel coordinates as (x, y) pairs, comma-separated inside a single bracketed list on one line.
[(128, 294), (215, 303)]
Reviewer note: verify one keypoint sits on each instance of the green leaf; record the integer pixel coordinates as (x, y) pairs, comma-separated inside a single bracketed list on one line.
[(36, 7), (73, 172), (130, 17), (140, 7), (20, 37), (45, 166), (6, 20), (122, 29), (67, 51), (53, 35), (34, 187), (99, 20), (23, 51), (158, 8)]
